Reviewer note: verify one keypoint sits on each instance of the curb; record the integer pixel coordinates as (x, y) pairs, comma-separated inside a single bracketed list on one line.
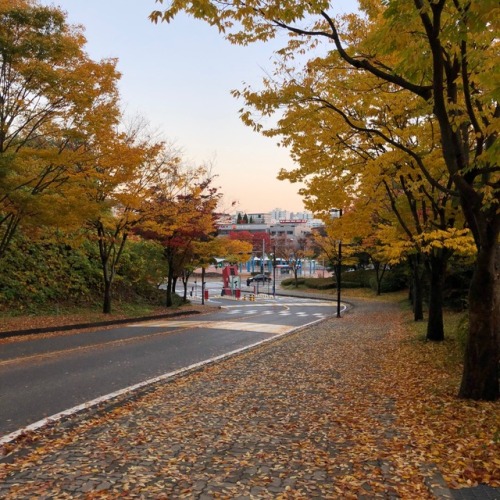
[(435, 482), (80, 326)]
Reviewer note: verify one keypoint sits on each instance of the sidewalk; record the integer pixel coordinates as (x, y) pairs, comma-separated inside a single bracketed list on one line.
[(311, 415)]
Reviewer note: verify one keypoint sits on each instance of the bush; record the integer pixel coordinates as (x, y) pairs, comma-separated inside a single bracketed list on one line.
[(36, 276), (291, 282), (140, 270), (394, 280), (359, 279), (320, 283)]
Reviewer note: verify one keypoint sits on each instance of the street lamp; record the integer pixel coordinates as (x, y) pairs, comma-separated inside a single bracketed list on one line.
[(263, 253), (274, 271), (339, 268), (339, 278)]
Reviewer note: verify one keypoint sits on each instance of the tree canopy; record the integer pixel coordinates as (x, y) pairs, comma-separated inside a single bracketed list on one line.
[(440, 76)]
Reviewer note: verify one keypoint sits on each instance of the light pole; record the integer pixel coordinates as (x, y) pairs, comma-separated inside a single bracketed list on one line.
[(262, 259), (274, 271), (339, 270), (339, 278)]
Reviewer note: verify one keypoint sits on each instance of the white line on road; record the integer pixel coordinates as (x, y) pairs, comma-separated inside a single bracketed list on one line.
[(238, 326)]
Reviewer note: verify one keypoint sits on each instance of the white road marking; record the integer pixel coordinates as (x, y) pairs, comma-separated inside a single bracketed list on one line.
[(317, 303), (220, 325)]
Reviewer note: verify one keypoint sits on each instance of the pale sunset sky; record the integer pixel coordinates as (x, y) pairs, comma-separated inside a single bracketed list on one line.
[(179, 76)]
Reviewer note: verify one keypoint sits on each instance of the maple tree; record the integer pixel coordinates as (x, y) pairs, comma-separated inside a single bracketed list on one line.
[(203, 253), (257, 239), (182, 208), (241, 236), (445, 56), (54, 101)]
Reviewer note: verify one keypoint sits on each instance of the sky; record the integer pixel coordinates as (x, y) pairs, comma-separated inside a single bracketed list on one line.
[(179, 77)]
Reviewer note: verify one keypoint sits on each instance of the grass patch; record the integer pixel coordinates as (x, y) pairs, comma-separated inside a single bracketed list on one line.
[(448, 355)]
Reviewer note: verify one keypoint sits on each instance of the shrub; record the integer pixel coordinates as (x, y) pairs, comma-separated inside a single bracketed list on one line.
[(394, 280), (361, 277), (320, 283), (291, 282)]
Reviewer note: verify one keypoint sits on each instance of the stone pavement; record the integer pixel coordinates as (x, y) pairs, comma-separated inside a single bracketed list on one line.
[(303, 417)]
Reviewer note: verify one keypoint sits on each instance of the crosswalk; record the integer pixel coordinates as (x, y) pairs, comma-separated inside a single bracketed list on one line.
[(286, 312), (287, 308)]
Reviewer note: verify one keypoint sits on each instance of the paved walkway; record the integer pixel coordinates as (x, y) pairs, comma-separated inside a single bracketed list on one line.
[(300, 418)]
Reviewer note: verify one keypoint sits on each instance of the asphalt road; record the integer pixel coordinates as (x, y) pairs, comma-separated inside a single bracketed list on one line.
[(41, 377)]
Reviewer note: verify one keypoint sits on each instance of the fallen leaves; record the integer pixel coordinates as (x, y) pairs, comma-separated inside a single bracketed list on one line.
[(347, 408)]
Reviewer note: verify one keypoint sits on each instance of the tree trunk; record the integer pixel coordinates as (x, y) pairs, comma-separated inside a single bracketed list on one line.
[(202, 286), (481, 366), (437, 267), (106, 305), (379, 275), (170, 280), (170, 276), (417, 287), (169, 301), (10, 223)]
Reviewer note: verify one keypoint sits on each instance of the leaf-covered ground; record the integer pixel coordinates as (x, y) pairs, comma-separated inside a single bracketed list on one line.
[(349, 408)]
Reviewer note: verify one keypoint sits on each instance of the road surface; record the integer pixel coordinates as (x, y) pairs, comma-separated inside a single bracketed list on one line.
[(45, 376)]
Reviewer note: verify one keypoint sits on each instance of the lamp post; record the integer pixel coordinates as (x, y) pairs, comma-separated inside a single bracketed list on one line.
[(262, 259), (339, 269), (339, 278), (274, 271)]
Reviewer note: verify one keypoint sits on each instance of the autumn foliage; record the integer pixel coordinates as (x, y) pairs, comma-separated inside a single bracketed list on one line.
[(406, 125)]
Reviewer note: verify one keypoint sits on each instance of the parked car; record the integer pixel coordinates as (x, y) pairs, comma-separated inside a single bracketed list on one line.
[(258, 278)]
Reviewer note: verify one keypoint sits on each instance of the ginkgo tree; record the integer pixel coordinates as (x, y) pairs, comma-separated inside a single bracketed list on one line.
[(233, 250), (445, 54)]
